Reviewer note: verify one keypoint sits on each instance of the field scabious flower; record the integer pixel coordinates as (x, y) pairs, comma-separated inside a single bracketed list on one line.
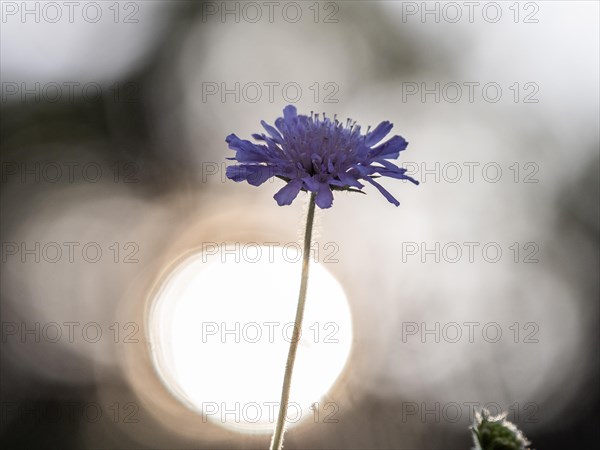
[(317, 155)]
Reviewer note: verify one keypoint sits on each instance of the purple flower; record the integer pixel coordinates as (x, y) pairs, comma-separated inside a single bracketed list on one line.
[(317, 155)]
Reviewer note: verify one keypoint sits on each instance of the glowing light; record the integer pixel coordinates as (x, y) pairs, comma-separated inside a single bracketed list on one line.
[(220, 327)]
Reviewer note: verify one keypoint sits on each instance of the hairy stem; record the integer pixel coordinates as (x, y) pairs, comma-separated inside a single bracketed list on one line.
[(277, 441)]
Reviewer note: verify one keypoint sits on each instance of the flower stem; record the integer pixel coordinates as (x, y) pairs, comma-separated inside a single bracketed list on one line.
[(277, 441)]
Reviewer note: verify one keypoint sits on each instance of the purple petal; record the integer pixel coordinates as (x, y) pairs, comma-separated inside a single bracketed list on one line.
[(272, 132), (257, 175), (289, 113), (287, 194), (246, 151), (349, 180), (254, 174), (279, 123), (390, 149), (236, 173), (393, 171), (324, 197), (390, 198), (378, 133), (311, 183), (361, 171)]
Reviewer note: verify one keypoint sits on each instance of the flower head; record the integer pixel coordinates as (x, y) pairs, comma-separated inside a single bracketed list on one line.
[(319, 155), (497, 433)]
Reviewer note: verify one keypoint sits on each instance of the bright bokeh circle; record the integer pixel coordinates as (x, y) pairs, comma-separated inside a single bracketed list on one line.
[(220, 326)]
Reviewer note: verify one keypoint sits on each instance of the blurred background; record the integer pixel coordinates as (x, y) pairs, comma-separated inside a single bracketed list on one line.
[(481, 289)]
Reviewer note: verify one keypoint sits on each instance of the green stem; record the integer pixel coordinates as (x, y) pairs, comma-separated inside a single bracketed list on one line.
[(277, 441)]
